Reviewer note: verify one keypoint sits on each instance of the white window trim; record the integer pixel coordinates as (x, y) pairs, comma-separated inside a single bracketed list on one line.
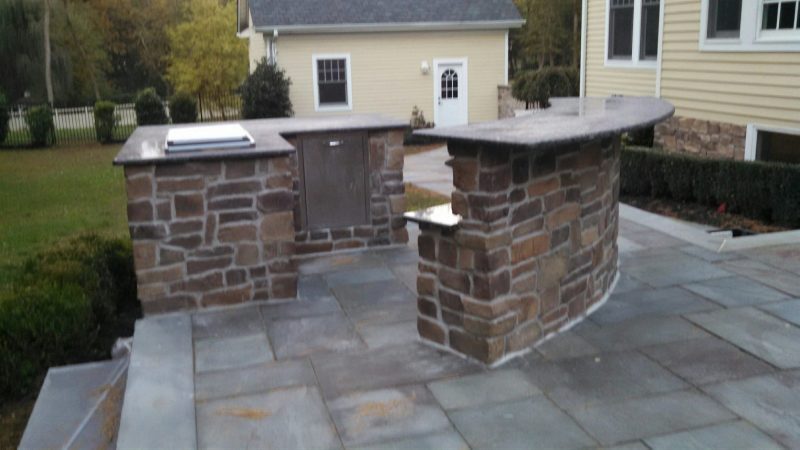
[(751, 38), (634, 62), (751, 138), (332, 108)]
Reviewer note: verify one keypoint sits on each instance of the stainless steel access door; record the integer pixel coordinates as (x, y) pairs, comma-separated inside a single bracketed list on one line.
[(335, 181)]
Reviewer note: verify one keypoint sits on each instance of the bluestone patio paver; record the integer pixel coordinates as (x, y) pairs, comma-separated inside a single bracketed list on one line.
[(735, 291), (311, 287), (653, 239), (388, 366), (611, 423), (230, 322), (627, 284), (707, 360), (530, 424), (385, 313), (568, 345), (640, 332), (652, 302), (765, 274), (788, 311), (762, 335), (253, 379), (305, 336), (669, 270), (383, 334), (231, 352), (319, 306), (580, 382), (770, 402), (360, 276), (382, 415), (785, 257), (329, 264), (372, 294), (445, 440), (481, 389), (283, 418), (709, 255), (725, 436)]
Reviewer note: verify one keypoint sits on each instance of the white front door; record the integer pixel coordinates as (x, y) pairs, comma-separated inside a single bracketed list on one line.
[(450, 87)]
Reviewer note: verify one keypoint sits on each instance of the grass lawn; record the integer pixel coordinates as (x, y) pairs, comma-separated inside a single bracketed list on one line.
[(418, 198), (47, 195), (66, 136)]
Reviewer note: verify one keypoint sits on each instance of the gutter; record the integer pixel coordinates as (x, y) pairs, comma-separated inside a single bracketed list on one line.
[(584, 27), (373, 27)]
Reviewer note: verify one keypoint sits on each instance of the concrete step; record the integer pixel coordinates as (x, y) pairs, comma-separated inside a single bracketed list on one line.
[(78, 407), (158, 410)]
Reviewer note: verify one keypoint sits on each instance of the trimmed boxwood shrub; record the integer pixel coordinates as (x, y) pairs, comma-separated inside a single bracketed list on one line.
[(66, 305), (541, 85), (41, 125), (265, 93), (104, 121), (149, 108), (183, 108), (3, 117), (759, 190)]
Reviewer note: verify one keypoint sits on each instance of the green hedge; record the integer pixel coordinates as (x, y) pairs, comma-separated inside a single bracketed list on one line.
[(265, 93), (183, 108), (538, 86), (765, 191), (104, 121), (65, 305), (3, 117), (149, 108), (40, 123)]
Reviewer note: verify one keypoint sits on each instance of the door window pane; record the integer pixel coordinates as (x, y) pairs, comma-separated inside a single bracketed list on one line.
[(332, 81), (649, 40), (724, 18), (620, 28), (449, 84)]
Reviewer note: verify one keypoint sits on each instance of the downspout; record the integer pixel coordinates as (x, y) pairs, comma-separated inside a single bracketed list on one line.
[(660, 47), (584, 27)]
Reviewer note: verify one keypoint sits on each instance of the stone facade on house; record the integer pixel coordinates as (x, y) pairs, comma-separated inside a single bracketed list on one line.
[(211, 233), (535, 249), (701, 137)]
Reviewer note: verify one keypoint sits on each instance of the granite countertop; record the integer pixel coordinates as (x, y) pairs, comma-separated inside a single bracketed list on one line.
[(568, 120), (441, 216), (147, 144)]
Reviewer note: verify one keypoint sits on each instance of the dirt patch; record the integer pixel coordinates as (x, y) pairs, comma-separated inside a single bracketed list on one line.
[(244, 413), (701, 214)]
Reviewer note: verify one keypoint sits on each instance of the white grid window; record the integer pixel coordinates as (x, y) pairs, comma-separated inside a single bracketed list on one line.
[(449, 84), (332, 81), (780, 15)]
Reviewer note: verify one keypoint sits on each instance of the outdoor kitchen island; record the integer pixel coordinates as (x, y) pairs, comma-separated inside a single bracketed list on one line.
[(528, 246), (219, 213)]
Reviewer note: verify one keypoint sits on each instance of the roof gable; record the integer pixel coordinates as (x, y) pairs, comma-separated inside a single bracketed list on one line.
[(329, 14)]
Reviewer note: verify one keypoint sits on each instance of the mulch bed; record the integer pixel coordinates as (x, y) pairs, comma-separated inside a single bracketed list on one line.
[(701, 214)]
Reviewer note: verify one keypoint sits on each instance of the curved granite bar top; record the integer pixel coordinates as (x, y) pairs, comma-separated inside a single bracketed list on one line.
[(566, 121), (147, 144)]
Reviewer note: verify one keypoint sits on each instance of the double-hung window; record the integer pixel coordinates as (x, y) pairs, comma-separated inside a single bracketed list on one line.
[(332, 84), (750, 25), (633, 32)]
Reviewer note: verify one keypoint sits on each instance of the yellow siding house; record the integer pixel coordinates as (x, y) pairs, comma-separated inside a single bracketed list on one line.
[(730, 67), (446, 57)]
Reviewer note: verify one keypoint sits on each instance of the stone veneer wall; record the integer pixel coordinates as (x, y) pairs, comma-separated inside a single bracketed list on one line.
[(212, 233), (536, 247), (387, 201), (701, 137), (506, 103)]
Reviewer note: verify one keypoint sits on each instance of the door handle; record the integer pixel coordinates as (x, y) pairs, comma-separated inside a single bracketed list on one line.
[(335, 143)]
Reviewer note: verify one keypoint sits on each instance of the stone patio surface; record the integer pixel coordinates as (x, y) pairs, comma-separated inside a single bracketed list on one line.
[(693, 350)]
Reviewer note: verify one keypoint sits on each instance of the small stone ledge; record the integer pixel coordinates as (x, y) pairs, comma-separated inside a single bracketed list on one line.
[(440, 216)]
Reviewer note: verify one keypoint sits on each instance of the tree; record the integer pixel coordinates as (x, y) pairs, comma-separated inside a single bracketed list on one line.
[(550, 36), (206, 58), (265, 93), (48, 62)]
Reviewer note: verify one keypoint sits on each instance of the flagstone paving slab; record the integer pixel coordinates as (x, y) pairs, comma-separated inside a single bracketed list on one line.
[(651, 302), (765, 274), (384, 334), (253, 379), (387, 414), (653, 239), (319, 306), (384, 313), (770, 402), (311, 287), (788, 311), (292, 338), (530, 424), (708, 255), (373, 294), (735, 291), (637, 418), (758, 333), (708, 360), (486, 388), (670, 270), (231, 352), (568, 345), (239, 321), (725, 436), (447, 440), (641, 332), (360, 276), (388, 366), (283, 418), (580, 382), (627, 284)]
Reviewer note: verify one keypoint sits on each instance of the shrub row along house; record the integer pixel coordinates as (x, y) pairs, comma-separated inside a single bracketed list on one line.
[(730, 67), (446, 57)]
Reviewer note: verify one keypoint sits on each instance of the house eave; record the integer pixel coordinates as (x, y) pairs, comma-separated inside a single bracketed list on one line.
[(386, 27)]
